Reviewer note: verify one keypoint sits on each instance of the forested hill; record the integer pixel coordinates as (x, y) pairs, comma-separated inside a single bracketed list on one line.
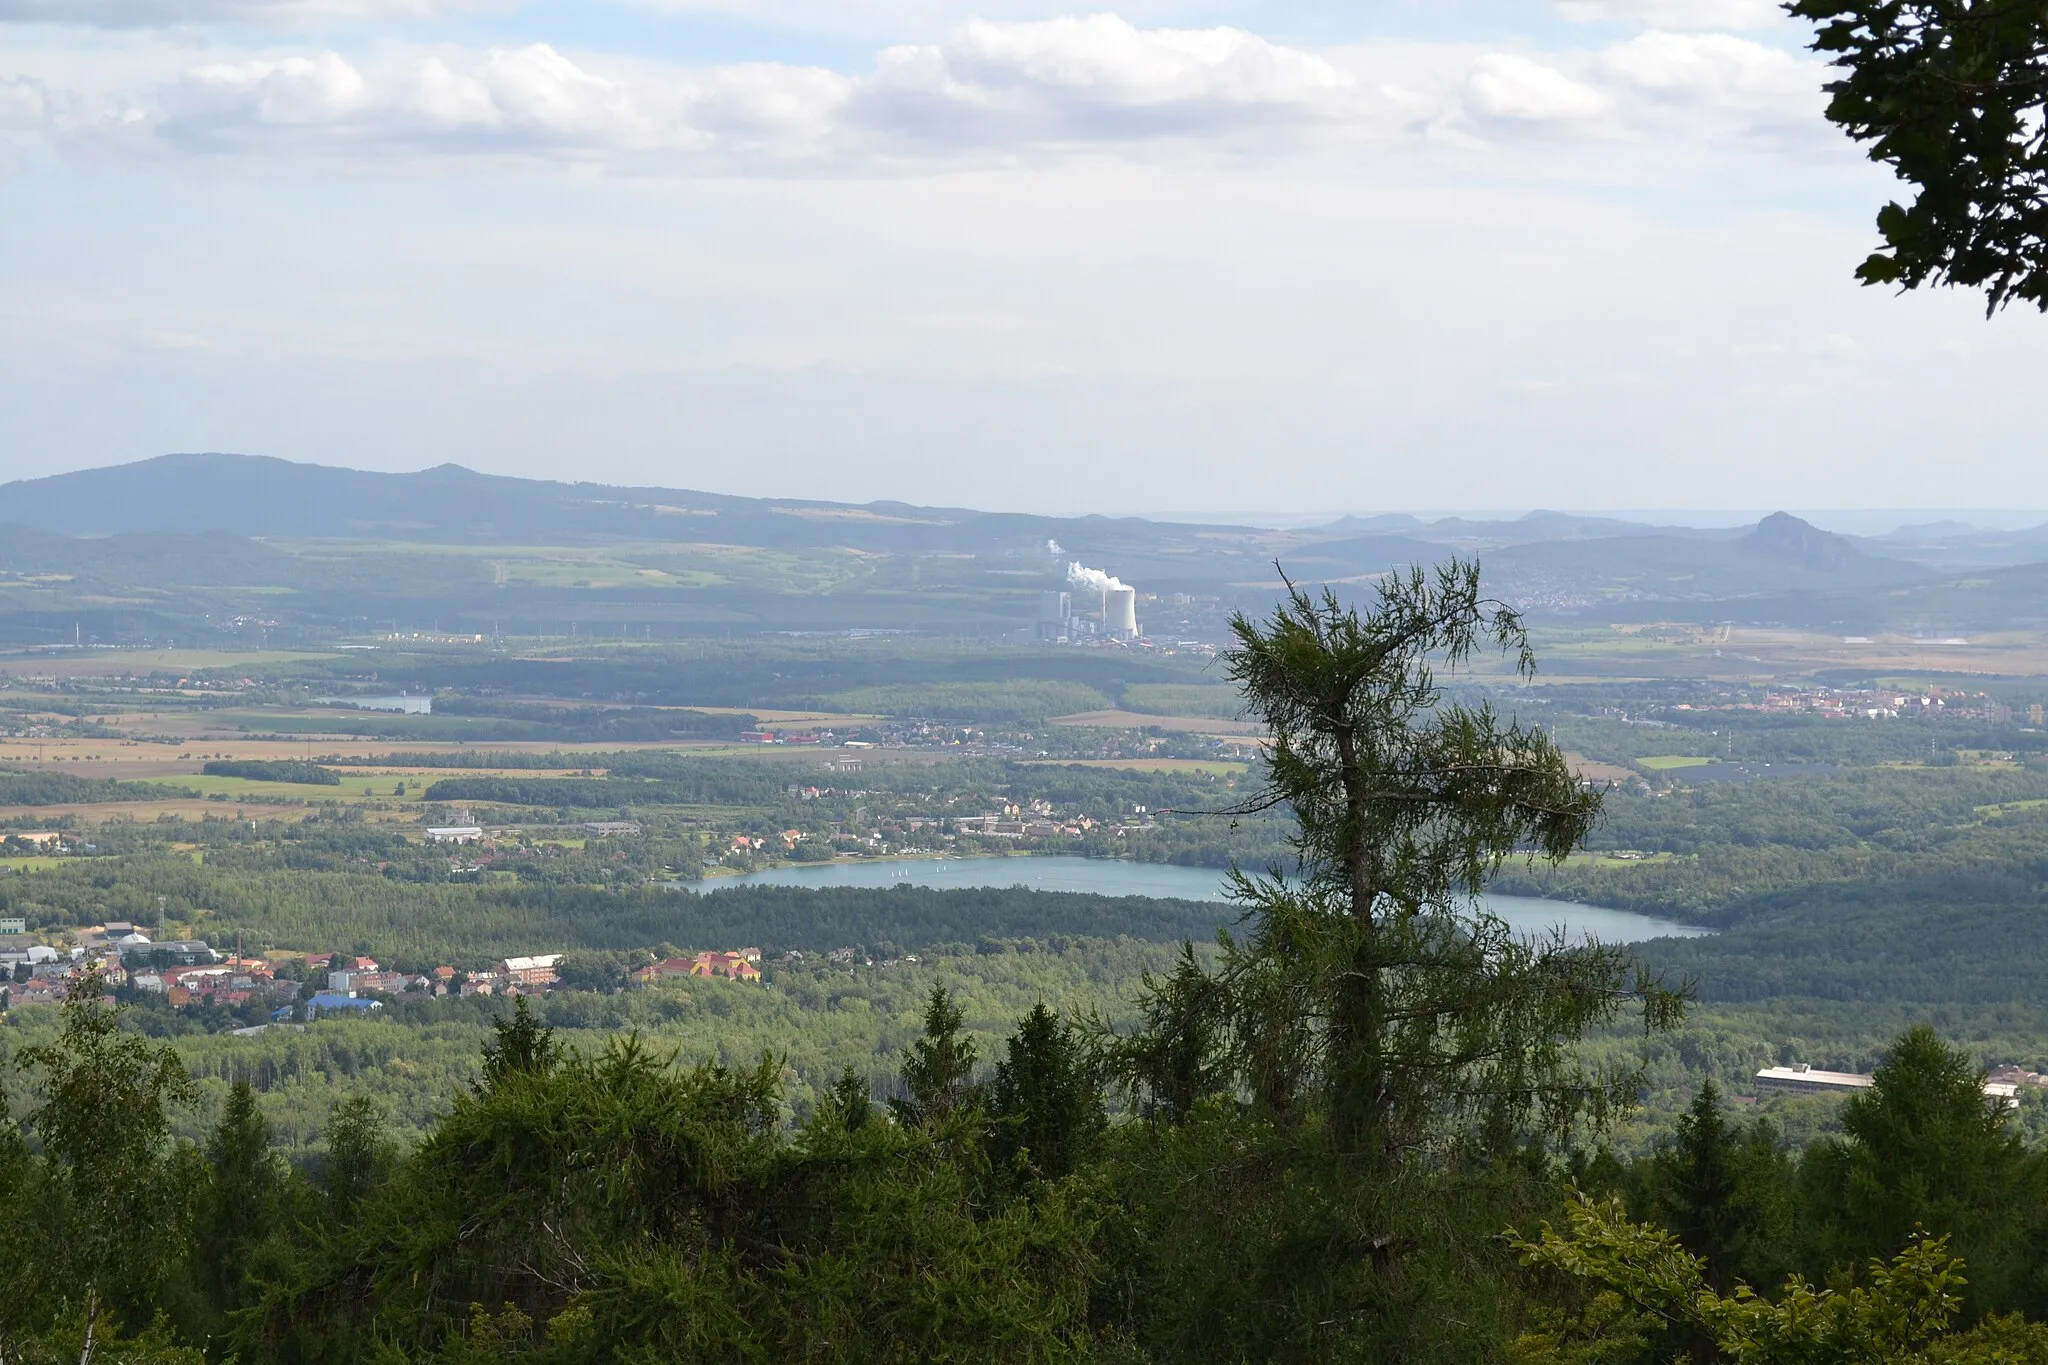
[(253, 495)]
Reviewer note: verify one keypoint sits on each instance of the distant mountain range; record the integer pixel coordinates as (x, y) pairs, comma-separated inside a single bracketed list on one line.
[(257, 496), (142, 547)]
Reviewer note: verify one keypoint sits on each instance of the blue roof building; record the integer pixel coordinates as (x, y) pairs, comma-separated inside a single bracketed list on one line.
[(328, 1002)]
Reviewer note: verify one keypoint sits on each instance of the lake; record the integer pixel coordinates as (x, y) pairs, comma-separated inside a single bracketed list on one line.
[(1108, 877)]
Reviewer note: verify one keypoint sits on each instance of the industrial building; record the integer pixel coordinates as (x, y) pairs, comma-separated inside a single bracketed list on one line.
[(1054, 610), (1098, 606), (1801, 1079)]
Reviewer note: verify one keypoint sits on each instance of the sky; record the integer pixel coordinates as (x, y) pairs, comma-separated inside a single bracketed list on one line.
[(1279, 256)]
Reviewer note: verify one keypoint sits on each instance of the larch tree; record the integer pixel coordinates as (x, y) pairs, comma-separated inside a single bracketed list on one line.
[(1371, 987)]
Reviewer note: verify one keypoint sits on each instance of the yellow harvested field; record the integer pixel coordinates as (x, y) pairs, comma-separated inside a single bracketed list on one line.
[(141, 662), (1593, 770), (112, 812)]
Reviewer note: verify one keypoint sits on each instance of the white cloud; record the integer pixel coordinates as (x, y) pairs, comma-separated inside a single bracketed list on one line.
[(986, 89), (1717, 70), (1098, 78), (169, 13), (529, 99), (23, 104), (1507, 86), (1677, 14)]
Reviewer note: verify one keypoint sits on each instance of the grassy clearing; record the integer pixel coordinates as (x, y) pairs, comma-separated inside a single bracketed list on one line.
[(354, 787), (2007, 807), (1215, 701), (1665, 762)]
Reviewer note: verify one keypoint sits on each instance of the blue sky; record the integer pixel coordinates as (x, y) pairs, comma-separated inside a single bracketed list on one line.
[(1259, 256)]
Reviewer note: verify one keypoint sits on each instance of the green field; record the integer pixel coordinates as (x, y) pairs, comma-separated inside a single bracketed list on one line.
[(1663, 762), (354, 787), (1218, 701)]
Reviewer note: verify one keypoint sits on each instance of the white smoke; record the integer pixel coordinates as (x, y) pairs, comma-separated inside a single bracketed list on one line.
[(1095, 580)]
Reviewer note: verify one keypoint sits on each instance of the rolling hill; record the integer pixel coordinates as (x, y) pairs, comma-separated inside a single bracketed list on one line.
[(219, 546)]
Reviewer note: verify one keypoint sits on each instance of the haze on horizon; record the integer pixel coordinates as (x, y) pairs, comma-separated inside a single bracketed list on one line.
[(1592, 254)]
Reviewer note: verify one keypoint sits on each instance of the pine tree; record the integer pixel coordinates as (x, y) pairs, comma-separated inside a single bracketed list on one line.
[(1700, 1195), (521, 1044), (1926, 1151), (1044, 1102), (240, 1205), (851, 1101), (938, 1069), (359, 1155)]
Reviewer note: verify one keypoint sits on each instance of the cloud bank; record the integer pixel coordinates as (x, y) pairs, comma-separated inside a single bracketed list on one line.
[(1086, 83)]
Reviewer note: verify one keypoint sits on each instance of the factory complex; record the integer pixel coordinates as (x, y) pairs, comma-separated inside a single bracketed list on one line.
[(1096, 605)]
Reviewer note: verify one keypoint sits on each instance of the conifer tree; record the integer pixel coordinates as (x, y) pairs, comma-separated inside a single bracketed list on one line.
[(1927, 1151), (938, 1069), (1371, 986), (1044, 1101), (851, 1100), (521, 1044), (359, 1155), (240, 1204), (1700, 1194)]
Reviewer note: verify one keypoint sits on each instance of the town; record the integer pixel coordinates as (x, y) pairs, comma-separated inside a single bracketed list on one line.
[(289, 989)]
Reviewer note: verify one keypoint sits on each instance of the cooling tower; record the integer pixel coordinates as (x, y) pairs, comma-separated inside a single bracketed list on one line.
[(1120, 613)]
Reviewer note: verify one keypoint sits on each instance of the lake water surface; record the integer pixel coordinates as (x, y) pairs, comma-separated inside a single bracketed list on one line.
[(1109, 877)]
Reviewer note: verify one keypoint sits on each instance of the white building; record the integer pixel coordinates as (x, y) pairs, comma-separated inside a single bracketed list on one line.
[(1801, 1079)]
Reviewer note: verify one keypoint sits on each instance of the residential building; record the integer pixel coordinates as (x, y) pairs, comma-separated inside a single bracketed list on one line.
[(530, 971), (742, 965)]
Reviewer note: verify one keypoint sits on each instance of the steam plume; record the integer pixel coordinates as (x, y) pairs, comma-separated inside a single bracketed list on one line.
[(1081, 576)]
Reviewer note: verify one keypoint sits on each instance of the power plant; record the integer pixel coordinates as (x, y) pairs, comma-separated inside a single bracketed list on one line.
[(1098, 605)]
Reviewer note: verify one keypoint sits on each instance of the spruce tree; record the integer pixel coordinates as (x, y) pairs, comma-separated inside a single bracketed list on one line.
[(1044, 1102), (938, 1069), (521, 1044), (240, 1204), (1699, 1188)]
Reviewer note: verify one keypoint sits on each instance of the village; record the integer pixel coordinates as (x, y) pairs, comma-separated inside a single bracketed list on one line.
[(296, 988)]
